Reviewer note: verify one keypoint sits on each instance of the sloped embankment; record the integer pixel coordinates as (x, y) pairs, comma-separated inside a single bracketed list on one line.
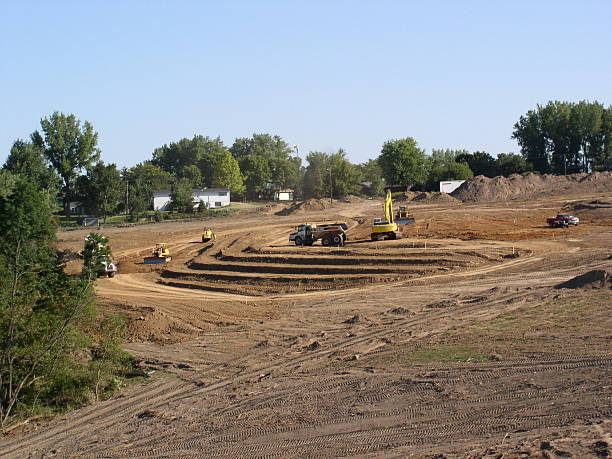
[(485, 189)]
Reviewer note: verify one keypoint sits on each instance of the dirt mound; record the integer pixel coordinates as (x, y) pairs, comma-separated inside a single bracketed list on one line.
[(304, 206), (482, 189), (434, 197), (598, 278), (425, 197)]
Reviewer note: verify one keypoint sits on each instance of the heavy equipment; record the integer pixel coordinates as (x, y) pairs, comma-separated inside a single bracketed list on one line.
[(107, 268), (208, 235), (329, 233), (403, 216), (387, 228), (160, 255)]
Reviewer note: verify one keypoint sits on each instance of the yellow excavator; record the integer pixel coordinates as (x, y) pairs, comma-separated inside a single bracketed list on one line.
[(387, 228), (159, 256)]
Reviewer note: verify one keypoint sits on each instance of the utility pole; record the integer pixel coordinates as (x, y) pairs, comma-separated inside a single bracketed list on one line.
[(331, 196)]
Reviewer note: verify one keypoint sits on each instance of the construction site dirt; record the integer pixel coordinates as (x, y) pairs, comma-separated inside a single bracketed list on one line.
[(463, 338)]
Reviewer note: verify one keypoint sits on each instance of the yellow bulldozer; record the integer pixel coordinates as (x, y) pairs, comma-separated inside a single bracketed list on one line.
[(159, 256), (388, 228), (208, 235)]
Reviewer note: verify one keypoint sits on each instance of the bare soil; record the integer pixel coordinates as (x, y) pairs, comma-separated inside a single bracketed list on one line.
[(454, 341)]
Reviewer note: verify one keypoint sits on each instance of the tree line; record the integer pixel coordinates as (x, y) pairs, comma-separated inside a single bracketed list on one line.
[(566, 137), (63, 157)]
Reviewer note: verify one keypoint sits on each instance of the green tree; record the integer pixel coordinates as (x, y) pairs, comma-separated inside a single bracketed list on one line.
[(228, 175), (101, 189), (182, 196), (193, 174), (28, 160), (274, 164), (372, 172), (140, 182), (257, 174), (69, 147), (510, 163), (529, 134), (480, 163), (177, 158), (315, 182), (7, 183), (403, 162), (345, 176), (95, 252)]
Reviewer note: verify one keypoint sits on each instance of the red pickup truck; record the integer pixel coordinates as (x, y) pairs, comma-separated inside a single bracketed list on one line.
[(562, 221)]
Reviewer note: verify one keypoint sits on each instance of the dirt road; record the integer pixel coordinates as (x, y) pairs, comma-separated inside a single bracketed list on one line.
[(451, 342)]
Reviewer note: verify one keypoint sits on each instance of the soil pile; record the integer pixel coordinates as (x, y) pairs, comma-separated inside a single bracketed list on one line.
[(597, 278), (425, 197), (482, 189), (304, 206)]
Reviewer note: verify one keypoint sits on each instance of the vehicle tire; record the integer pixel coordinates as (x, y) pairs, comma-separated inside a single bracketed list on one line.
[(111, 274), (374, 237), (337, 239), (326, 241), (298, 240)]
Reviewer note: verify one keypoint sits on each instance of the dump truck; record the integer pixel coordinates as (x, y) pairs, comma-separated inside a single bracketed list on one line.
[(330, 234), (159, 256), (386, 228), (208, 235)]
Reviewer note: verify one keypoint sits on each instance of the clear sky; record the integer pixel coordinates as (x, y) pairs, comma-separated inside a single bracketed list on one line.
[(321, 74)]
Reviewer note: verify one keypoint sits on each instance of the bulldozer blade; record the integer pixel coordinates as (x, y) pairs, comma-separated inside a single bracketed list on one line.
[(155, 261)]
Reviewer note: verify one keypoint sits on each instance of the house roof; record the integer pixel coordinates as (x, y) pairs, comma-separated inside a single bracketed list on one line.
[(195, 190)]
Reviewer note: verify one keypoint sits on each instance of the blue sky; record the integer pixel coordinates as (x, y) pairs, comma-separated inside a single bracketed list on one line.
[(321, 74)]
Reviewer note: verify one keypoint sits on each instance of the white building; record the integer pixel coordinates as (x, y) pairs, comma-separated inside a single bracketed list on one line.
[(450, 186), (212, 197), (283, 195)]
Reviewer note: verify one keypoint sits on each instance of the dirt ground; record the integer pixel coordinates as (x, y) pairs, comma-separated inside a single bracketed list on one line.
[(462, 339)]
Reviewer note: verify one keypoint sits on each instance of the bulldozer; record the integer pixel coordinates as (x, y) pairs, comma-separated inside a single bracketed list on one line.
[(387, 228), (160, 255), (403, 216), (208, 235)]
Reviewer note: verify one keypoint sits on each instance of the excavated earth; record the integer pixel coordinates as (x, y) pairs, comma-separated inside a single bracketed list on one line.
[(480, 333)]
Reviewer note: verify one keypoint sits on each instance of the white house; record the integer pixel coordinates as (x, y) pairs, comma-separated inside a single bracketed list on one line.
[(283, 195), (450, 186), (212, 197)]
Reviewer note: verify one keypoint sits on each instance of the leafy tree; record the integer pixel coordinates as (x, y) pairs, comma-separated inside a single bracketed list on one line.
[(193, 174), (480, 163), (403, 162), (256, 170), (510, 163), (140, 182), (95, 252), (372, 172), (28, 160), (345, 176), (228, 175), (7, 183), (564, 137), (178, 157), (265, 159), (69, 147), (46, 324), (101, 189), (182, 196), (316, 184)]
